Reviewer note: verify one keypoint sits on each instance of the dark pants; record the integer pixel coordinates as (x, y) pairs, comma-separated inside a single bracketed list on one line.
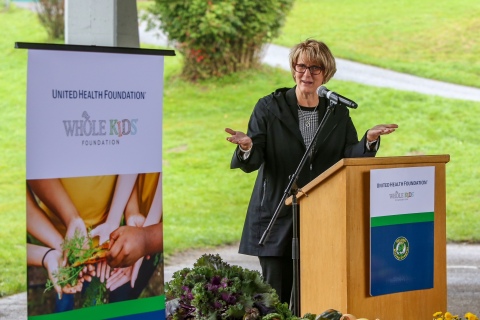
[(278, 272)]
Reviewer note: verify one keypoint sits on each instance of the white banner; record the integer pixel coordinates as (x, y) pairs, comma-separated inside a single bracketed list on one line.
[(94, 184), (92, 113), (402, 190)]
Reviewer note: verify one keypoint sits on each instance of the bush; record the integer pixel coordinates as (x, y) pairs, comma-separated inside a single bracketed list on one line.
[(219, 37), (215, 290), (52, 16)]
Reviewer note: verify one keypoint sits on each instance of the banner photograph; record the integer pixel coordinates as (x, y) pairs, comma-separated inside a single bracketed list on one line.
[(94, 185)]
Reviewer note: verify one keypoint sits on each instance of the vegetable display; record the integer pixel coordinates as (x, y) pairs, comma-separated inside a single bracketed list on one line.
[(213, 289)]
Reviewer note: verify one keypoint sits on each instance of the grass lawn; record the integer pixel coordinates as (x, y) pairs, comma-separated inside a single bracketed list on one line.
[(429, 38), (205, 201), (12, 143)]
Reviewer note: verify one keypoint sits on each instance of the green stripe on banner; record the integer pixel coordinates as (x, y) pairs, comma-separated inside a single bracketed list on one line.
[(401, 219), (112, 310)]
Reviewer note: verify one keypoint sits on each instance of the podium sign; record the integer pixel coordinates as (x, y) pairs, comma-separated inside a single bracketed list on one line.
[(401, 229), (335, 227)]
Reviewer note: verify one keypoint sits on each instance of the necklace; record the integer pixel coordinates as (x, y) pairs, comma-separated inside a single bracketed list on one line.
[(307, 120)]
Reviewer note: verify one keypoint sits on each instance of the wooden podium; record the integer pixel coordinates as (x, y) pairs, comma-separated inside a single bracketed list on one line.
[(335, 243)]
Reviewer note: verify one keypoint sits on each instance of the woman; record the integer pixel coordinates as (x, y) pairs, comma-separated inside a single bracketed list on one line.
[(280, 129)]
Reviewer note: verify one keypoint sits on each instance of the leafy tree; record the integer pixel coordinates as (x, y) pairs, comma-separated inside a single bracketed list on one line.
[(51, 15), (219, 37)]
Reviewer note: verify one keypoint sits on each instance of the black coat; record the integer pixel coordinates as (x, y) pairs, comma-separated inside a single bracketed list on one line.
[(278, 147)]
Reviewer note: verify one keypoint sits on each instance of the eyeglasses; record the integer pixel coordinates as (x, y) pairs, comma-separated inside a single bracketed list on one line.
[(301, 68)]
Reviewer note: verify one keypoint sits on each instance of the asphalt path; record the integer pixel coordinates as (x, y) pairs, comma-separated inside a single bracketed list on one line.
[(463, 260)]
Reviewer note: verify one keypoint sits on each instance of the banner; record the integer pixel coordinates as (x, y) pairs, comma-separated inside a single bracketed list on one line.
[(401, 229), (94, 184)]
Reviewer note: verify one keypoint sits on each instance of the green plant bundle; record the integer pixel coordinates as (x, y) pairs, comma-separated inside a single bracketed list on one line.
[(80, 250)]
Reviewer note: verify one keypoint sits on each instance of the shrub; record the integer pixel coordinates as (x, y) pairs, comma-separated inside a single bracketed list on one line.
[(215, 290), (219, 37)]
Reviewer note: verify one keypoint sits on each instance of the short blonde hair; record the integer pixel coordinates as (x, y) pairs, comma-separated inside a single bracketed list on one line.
[(315, 53)]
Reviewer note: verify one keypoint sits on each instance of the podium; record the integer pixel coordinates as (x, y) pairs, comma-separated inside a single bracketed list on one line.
[(334, 222)]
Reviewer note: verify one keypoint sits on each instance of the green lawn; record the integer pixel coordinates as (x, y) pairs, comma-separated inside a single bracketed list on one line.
[(205, 201), (15, 25)]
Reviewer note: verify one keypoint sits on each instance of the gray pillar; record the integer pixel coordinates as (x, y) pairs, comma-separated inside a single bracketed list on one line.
[(104, 23)]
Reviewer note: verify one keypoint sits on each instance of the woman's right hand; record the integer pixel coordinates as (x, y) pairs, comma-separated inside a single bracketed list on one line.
[(240, 138)]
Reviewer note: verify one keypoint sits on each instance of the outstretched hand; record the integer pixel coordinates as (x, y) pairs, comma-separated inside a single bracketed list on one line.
[(76, 225), (127, 245), (379, 130), (120, 276), (103, 231), (240, 138), (52, 262)]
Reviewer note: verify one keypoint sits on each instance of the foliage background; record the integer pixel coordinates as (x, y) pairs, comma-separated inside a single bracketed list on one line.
[(219, 37)]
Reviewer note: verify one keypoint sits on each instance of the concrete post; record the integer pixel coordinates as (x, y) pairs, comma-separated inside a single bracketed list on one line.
[(104, 23)]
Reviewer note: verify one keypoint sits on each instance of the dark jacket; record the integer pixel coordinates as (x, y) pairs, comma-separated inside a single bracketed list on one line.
[(278, 147)]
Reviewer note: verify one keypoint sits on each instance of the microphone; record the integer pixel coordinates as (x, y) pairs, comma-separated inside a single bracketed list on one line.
[(322, 91)]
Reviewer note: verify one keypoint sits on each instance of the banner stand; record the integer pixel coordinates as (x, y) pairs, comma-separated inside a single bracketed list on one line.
[(94, 182)]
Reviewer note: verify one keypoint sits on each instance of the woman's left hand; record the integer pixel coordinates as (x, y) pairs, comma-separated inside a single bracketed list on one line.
[(379, 130)]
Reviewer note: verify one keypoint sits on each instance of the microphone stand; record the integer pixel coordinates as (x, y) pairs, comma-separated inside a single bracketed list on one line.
[(292, 189)]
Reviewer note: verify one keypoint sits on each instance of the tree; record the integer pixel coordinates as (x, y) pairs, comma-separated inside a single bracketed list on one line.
[(52, 16), (219, 37)]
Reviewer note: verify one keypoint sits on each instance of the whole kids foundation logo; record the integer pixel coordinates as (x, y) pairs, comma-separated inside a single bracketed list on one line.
[(100, 132), (401, 196)]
